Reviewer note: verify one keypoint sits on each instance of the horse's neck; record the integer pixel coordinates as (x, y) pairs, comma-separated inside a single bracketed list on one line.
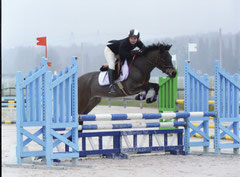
[(145, 63)]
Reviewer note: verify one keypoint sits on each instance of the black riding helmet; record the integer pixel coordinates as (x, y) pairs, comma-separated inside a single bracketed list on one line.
[(134, 33)]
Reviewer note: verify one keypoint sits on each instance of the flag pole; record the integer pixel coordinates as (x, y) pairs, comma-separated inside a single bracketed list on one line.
[(42, 41), (220, 46), (192, 47), (46, 51)]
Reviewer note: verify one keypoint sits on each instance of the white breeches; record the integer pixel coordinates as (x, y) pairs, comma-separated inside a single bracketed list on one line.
[(110, 57)]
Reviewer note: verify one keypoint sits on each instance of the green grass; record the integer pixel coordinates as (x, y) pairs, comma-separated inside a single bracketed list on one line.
[(133, 103)]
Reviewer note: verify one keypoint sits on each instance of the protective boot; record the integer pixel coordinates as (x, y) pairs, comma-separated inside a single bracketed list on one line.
[(112, 87)]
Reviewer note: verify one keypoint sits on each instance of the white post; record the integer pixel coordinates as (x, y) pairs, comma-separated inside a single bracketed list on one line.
[(220, 46), (174, 60), (192, 47)]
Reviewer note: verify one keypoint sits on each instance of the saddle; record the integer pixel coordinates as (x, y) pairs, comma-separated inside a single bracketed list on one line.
[(122, 72), (118, 67), (119, 63)]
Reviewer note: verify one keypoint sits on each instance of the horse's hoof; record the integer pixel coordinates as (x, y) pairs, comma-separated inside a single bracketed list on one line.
[(137, 97), (80, 121), (151, 100), (148, 100), (140, 97)]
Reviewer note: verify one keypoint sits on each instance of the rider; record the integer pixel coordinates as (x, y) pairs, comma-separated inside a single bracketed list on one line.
[(123, 48)]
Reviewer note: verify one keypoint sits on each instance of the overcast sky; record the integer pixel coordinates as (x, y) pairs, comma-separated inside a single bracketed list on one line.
[(64, 21)]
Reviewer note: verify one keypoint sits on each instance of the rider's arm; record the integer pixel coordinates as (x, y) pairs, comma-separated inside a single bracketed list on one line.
[(140, 44), (124, 51)]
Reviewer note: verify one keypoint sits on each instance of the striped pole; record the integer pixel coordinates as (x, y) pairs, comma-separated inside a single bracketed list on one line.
[(132, 116), (130, 125), (180, 101)]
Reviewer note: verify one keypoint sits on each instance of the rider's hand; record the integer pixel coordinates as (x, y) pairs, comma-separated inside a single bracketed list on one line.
[(135, 52)]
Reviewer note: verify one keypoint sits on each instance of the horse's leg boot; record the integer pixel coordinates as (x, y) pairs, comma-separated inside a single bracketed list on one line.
[(141, 96), (152, 99), (112, 87)]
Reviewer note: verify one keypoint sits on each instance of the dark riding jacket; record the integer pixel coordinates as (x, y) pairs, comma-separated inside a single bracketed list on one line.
[(123, 48)]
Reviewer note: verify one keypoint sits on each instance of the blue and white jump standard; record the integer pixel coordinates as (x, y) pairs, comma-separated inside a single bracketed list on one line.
[(196, 93), (51, 102), (138, 116), (227, 89)]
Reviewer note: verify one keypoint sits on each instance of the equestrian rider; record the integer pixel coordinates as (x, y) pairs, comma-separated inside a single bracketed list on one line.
[(124, 49)]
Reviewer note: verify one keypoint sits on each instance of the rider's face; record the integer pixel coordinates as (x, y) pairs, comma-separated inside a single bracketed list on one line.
[(133, 40)]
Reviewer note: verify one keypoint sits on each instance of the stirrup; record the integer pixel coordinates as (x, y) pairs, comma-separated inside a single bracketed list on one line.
[(112, 88)]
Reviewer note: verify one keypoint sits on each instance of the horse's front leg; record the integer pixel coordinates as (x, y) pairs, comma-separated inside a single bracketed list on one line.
[(142, 95), (155, 95)]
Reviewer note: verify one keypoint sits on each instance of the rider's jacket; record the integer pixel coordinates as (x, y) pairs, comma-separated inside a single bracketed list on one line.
[(123, 47)]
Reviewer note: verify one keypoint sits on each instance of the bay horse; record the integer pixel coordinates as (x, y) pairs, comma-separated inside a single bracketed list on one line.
[(155, 55)]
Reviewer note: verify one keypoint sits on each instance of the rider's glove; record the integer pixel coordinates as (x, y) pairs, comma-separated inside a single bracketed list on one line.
[(136, 52)]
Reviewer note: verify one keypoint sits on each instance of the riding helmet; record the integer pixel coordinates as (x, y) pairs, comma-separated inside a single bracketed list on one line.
[(134, 33)]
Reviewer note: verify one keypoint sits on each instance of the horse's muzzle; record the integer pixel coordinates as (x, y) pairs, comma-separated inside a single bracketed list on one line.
[(171, 72)]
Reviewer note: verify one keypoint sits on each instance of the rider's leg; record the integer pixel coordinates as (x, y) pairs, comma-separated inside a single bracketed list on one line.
[(110, 57), (112, 87)]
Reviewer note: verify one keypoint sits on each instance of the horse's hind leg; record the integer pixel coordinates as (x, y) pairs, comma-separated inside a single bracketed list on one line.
[(92, 103)]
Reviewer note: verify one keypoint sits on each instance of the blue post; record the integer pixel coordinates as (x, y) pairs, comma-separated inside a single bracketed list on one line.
[(186, 107), (75, 106), (236, 107), (48, 118), (20, 113), (204, 104), (217, 107)]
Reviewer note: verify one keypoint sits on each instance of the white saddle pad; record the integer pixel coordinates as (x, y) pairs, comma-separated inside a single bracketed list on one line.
[(103, 75)]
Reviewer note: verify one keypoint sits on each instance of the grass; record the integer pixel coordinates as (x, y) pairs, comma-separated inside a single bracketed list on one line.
[(132, 103), (136, 103)]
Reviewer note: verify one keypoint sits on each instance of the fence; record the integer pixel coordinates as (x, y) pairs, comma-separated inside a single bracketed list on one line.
[(51, 103)]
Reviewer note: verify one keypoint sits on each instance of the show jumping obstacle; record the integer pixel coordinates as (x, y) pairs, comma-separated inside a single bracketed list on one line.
[(51, 105), (51, 102), (196, 99), (123, 136)]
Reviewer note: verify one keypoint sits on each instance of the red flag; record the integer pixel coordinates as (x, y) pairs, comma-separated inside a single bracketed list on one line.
[(42, 41)]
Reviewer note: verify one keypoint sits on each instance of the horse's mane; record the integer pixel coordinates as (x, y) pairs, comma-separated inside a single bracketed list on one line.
[(158, 46)]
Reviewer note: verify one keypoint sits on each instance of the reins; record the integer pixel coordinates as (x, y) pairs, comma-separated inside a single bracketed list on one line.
[(131, 63)]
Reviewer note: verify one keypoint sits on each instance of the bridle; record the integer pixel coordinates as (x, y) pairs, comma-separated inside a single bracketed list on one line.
[(165, 67)]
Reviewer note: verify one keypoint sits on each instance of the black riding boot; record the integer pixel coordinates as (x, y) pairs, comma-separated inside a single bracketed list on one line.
[(112, 87)]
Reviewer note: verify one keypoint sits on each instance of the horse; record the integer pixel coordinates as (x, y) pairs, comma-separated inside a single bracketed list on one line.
[(157, 55)]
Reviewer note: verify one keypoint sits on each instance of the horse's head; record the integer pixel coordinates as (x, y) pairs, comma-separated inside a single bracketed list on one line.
[(164, 60), (158, 56)]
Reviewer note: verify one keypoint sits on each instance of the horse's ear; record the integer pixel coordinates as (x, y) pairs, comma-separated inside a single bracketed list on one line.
[(164, 47), (168, 47)]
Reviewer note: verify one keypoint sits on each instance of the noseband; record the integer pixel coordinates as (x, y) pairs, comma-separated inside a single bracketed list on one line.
[(166, 68)]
